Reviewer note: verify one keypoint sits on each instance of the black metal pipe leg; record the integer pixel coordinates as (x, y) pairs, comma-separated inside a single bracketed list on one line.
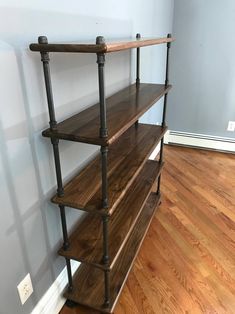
[(47, 77), (104, 157), (107, 288), (101, 61), (105, 240), (159, 185), (160, 161), (69, 271), (161, 151), (53, 124), (138, 63), (55, 144), (106, 261), (167, 61), (104, 153), (164, 111), (166, 82), (64, 227)]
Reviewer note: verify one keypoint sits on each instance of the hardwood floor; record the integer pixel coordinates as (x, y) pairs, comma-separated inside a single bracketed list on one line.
[(187, 261)]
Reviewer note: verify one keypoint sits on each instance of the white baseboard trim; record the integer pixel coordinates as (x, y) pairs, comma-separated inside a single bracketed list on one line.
[(155, 152), (53, 301), (200, 141)]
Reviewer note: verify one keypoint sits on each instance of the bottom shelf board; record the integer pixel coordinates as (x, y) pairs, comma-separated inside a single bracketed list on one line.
[(88, 281)]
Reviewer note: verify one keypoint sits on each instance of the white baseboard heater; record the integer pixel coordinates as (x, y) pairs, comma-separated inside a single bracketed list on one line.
[(200, 141)]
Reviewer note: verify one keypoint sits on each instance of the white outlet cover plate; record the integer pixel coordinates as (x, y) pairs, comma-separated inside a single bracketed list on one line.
[(25, 289), (231, 126)]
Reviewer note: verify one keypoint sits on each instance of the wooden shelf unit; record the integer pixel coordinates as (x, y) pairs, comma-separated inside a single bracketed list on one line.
[(116, 187)]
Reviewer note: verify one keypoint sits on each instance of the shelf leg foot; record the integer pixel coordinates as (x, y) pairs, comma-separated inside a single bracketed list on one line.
[(71, 304), (107, 288)]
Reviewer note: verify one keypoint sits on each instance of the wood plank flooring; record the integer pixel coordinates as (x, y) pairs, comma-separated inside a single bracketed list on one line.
[(187, 261)]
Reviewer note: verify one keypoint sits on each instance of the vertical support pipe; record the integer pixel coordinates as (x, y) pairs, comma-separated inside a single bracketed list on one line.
[(101, 61), (55, 143), (104, 169), (46, 69), (105, 261), (138, 62), (107, 288), (166, 82), (138, 36), (105, 240), (53, 124), (64, 227), (69, 272), (164, 109), (60, 191), (104, 153)]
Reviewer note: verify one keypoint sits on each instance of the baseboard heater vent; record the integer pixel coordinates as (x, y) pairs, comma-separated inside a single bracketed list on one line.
[(200, 141)]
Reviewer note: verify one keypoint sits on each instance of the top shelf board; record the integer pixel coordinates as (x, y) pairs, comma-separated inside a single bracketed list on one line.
[(109, 46)]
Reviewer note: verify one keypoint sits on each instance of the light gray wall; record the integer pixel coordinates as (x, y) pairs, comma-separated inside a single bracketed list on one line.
[(30, 231), (203, 67)]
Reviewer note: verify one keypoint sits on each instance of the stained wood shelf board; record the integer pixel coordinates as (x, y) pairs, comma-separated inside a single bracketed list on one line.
[(107, 47), (123, 109)]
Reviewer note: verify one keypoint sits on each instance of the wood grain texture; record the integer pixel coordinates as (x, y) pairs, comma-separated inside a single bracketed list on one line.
[(126, 158), (123, 109), (109, 46), (89, 281), (187, 261), (86, 242)]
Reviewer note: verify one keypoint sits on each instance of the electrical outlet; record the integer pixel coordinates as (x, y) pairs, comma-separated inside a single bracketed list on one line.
[(231, 126), (25, 289)]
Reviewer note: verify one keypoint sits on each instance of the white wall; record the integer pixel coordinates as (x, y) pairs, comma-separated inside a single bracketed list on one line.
[(30, 231), (203, 67)]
